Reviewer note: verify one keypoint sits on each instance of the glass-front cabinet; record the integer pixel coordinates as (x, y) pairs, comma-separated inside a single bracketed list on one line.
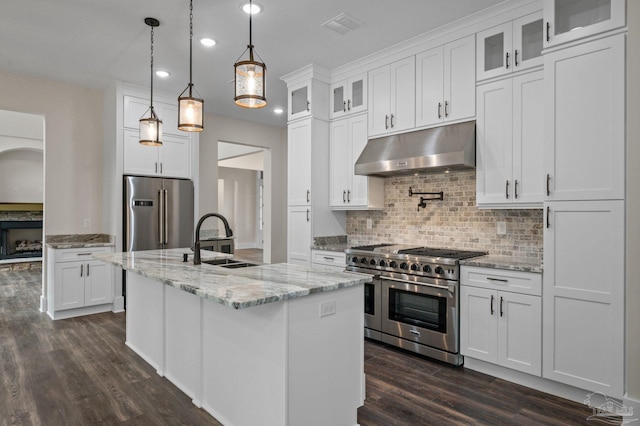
[(349, 96), (568, 20), (300, 101), (510, 47)]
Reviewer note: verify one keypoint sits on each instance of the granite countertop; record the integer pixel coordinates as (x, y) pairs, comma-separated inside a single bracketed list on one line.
[(330, 243), (331, 247), (505, 262), (236, 288), (79, 241)]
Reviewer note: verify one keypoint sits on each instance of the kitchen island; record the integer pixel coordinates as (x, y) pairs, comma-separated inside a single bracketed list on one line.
[(271, 345)]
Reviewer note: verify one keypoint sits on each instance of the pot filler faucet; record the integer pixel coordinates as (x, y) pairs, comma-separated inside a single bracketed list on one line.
[(207, 243)]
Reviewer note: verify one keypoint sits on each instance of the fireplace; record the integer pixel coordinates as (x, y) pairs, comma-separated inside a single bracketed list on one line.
[(20, 239)]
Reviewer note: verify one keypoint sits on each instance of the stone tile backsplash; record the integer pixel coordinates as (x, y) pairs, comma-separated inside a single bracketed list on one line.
[(455, 222)]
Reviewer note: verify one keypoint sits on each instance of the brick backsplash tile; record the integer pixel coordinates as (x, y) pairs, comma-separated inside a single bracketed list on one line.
[(455, 222)]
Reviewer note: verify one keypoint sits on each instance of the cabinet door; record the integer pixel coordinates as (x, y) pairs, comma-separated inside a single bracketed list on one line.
[(175, 156), (568, 20), (338, 101), (494, 51), (585, 121), (300, 101), (528, 35), (357, 100), (358, 195), (168, 113), (403, 95), (528, 137), (299, 236), (430, 87), (478, 328), (139, 159), (520, 332), (583, 291), (340, 155), (494, 143), (134, 109), (379, 100), (459, 79), (300, 163), (69, 285), (98, 287)]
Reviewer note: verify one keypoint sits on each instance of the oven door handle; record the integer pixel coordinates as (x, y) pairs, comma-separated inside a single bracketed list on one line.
[(451, 288)]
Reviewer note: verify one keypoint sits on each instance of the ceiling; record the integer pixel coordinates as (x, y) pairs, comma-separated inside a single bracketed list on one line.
[(93, 43)]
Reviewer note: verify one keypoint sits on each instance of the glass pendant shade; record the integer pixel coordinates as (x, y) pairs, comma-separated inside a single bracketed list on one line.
[(250, 83), (151, 130), (190, 113)]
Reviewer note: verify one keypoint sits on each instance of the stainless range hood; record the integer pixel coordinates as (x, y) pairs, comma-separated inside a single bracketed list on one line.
[(422, 151)]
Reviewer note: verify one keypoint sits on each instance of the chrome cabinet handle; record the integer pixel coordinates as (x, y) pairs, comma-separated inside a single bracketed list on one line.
[(344, 196), (392, 121), (491, 304), (548, 189), (308, 215), (497, 279), (348, 196), (506, 61), (308, 195), (446, 108), (515, 58), (501, 311), (386, 121), (81, 269), (515, 188), (415, 332), (349, 105), (344, 106), (506, 187), (439, 109), (548, 29), (548, 212)]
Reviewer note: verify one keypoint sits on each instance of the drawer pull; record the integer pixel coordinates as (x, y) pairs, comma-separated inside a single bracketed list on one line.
[(330, 259), (85, 254), (498, 279)]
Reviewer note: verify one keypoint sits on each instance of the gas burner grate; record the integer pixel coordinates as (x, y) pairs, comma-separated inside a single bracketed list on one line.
[(436, 252)]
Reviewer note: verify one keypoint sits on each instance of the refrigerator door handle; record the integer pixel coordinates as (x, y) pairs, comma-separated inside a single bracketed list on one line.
[(165, 236), (161, 218)]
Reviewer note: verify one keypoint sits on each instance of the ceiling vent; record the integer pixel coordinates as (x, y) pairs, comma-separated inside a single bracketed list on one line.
[(343, 23)]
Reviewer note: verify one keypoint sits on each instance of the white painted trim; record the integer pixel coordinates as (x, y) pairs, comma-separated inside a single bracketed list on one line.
[(43, 303), (118, 304), (87, 310)]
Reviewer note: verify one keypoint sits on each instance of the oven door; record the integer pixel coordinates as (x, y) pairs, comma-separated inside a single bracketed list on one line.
[(424, 313), (373, 308)]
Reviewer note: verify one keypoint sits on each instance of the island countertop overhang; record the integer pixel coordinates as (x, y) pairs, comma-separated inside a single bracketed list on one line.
[(235, 288)]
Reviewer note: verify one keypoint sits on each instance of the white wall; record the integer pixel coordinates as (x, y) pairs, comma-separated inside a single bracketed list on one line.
[(21, 176), (73, 148), (239, 206), (274, 140)]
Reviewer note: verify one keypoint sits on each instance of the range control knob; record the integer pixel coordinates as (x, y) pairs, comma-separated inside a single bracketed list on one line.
[(404, 265), (415, 267), (372, 262), (393, 264), (439, 270), (354, 259), (426, 268), (363, 260), (383, 263)]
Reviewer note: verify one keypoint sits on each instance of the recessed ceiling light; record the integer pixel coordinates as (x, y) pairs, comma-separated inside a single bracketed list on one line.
[(208, 42), (255, 8), (278, 110), (162, 74)]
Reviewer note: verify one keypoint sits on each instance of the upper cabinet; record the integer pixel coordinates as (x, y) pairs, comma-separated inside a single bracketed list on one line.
[(510, 47), (349, 96), (568, 20), (135, 108), (308, 93), (392, 97), (445, 83)]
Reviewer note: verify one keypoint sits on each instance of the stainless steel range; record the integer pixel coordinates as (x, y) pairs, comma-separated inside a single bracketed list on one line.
[(413, 299)]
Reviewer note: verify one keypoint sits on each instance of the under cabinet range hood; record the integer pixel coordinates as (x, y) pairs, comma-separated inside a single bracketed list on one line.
[(423, 151)]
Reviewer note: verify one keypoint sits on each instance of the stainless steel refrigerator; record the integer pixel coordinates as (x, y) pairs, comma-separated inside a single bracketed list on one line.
[(158, 213)]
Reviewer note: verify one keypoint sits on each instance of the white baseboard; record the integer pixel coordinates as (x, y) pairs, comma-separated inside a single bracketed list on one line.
[(43, 303), (118, 304)]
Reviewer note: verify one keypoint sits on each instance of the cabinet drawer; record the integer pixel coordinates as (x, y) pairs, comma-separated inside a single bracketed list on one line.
[(70, 255), (329, 258), (501, 279)]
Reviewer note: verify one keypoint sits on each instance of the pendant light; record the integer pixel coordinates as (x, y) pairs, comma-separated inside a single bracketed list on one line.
[(151, 126), (190, 109), (250, 77)]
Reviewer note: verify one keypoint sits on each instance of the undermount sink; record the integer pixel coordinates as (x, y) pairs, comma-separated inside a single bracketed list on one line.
[(229, 263)]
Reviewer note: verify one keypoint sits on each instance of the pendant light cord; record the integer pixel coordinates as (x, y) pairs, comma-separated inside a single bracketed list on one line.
[(152, 112), (190, 46)]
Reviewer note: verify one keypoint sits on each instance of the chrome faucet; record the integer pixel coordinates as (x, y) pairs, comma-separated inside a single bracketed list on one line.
[(198, 244)]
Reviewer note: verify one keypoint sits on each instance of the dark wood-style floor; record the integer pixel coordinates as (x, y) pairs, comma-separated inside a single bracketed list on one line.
[(79, 372)]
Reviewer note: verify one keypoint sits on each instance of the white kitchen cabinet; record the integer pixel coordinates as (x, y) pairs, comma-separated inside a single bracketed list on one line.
[(349, 96), (585, 121), (509, 141), (308, 97), (330, 261), (584, 294), (78, 281), (172, 159), (348, 191), (299, 235), (445, 83), (510, 47), (501, 318), (569, 20), (300, 136), (135, 108), (392, 97)]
